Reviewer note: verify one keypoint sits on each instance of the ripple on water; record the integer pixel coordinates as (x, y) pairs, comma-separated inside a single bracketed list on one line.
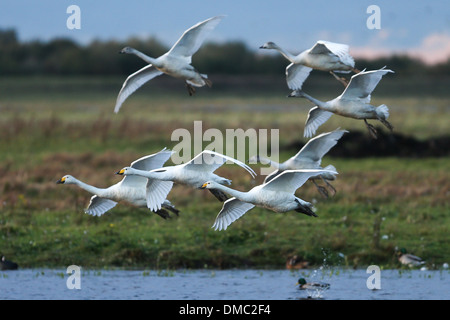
[(222, 285)]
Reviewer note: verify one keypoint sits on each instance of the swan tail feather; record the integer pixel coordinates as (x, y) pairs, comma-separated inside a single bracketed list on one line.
[(382, 112)]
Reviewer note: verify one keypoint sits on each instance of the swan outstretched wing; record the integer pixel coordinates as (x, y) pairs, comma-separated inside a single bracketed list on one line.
[(362, 84), (156, 193), (232, 210), (209, 161), (296, 75), (153, 161), (134, 82), (318, 146), (316, 117), (192, 39), (273, 175), (291, 180), (337, 49), (147, 163), (98, 206)]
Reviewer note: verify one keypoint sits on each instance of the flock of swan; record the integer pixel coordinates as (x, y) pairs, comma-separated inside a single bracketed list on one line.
[(147, 182)]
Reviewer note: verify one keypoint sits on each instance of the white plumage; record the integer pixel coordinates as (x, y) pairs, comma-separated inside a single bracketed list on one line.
[(324, 55), (354, 102), (277, 195), (130, 189), (176, 62), (193, 173), (309, 157)]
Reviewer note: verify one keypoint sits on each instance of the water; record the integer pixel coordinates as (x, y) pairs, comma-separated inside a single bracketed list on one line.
[(50, 284)]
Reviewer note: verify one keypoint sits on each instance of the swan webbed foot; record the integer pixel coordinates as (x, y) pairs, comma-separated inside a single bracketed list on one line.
[(163, 214), (340, 79), (190, 89), (305, 210), (373, 132)]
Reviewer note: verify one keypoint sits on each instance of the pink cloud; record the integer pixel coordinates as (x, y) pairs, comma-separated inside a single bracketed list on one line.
[(435, 48)]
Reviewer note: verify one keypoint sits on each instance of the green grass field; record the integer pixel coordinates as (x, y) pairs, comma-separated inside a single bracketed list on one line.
[(54, 126)]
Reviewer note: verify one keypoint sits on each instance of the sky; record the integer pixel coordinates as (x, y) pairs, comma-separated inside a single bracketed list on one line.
[(418, 28)]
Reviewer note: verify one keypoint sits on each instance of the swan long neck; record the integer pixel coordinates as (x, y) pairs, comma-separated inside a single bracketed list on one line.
[(268, 161), (286, 54), (154, 175), (143, 56), (91, 189), (317, 102), (243, 196)]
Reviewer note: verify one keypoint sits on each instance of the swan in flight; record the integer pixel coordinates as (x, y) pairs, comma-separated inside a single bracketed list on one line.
[(277, 195), (176, 62), (130, 189), (309, 157), (193, 173), (324, 55), (354, 102)]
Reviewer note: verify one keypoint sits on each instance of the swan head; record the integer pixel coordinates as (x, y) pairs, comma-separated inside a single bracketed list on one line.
[(209, 185), (269, 45), (129, 171), (296, 93), (125, 171), (127, 50), (67, 179)]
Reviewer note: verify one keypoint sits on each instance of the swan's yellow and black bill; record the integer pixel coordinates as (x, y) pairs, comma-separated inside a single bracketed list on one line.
[(61, 180), (204, 186), (121, 172)]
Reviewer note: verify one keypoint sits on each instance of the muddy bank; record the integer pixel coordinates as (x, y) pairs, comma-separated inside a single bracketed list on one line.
[(358, 144)]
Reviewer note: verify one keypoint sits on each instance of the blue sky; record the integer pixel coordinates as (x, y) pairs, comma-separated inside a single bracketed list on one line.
[(420, 28)]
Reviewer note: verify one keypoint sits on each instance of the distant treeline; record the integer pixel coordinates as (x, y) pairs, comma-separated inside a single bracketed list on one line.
[(63, 56)]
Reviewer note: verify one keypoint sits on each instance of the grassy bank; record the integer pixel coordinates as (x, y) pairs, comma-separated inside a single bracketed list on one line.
[(381, 203), (375, 210)]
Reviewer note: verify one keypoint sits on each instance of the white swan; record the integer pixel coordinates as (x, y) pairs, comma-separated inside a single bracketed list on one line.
[(309, 157), (176, 62), (130, 189), (277, 195), (354, 102), (324, 55), (193, 173)]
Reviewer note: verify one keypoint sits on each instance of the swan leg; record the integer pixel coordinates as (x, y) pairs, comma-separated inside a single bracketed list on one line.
[(190, 89), (340, 79), (387, 124), (207, 81), (329, 185), (323, 191), (172, 209), (372, 130)]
